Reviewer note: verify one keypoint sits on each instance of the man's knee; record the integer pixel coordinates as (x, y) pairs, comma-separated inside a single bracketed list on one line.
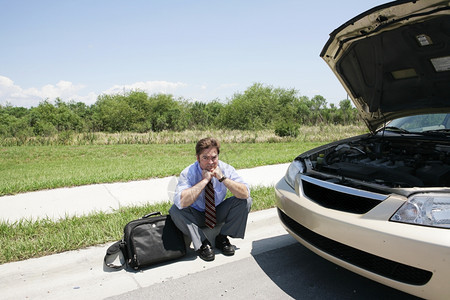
[(247, 203), (244, 204), (173, 211)]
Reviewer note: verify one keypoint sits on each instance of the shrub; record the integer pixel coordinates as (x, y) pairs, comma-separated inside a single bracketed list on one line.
[(286, 129)]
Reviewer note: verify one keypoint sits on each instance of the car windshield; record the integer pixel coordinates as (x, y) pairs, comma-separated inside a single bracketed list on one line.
[(421, 123)]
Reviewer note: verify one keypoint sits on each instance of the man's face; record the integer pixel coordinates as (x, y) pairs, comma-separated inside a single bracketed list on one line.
[(208, 159)]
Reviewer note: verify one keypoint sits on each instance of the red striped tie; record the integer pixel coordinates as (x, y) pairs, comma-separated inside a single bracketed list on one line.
[(210, 207)]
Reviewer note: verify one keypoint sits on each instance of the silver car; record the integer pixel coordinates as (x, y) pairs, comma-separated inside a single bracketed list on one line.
[(379, 204)]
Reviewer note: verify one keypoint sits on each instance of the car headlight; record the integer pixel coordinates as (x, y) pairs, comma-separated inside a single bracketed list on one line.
[(425, 209), (294, 168)]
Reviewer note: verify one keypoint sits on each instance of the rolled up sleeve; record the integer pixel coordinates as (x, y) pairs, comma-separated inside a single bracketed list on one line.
[(230, 172), (183, 183)]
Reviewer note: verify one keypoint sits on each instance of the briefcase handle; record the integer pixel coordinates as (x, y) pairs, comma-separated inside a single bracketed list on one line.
[(155, 213)]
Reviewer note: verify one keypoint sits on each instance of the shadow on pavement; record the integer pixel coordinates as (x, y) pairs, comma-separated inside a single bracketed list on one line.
[(302, 274)]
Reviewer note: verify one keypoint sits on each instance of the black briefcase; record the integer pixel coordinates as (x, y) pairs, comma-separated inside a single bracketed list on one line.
[(147, 241)]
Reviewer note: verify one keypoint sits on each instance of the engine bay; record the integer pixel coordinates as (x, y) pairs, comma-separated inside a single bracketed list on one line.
[(387, 161)]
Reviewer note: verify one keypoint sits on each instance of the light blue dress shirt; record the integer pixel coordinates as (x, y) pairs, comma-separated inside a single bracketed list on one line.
[(193, 175)]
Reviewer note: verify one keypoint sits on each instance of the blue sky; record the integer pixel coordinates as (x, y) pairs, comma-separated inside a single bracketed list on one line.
[(197, 50)]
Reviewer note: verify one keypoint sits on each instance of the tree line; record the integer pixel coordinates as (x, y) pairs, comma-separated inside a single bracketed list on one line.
[(258, 107)]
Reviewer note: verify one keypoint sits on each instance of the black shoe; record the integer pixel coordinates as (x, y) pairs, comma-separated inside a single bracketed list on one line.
[(224, 245), (206, 252)]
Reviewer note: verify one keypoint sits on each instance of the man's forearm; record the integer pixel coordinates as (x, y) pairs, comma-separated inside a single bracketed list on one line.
[(188, 196), (238, 189)]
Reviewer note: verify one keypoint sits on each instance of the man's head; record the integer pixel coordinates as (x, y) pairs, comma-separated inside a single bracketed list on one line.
[(207, 151)]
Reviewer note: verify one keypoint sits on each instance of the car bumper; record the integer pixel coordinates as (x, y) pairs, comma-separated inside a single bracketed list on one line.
[(414, 259)]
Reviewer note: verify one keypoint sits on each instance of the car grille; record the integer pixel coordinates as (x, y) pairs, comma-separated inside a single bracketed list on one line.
[(379, 265), (339, 197)]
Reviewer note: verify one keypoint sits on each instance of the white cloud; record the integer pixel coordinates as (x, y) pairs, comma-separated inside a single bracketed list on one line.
[(151, 87), (13, 94), (63, 89), (7, 87)]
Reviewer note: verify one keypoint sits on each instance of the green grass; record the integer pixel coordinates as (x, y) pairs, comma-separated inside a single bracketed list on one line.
[(31, 168), (27, 239)]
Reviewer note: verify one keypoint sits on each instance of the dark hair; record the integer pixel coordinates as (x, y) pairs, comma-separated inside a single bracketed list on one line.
[(205, 144)]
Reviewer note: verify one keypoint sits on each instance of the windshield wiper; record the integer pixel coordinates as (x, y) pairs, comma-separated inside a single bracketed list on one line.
[(443, 131), (396, 129)]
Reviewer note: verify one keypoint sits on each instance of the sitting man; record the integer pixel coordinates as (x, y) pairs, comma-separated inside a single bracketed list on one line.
[(199, 201)]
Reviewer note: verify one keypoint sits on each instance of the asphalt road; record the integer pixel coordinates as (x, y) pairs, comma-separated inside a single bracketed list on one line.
[(290, 272)]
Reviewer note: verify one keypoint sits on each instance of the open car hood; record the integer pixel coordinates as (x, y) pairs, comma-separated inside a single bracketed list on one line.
[(394, 60)]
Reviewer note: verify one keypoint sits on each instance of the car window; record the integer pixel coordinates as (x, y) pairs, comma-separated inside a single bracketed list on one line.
[(421, 123)]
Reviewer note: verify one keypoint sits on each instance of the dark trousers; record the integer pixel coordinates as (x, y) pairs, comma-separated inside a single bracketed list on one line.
[(232, 213)]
